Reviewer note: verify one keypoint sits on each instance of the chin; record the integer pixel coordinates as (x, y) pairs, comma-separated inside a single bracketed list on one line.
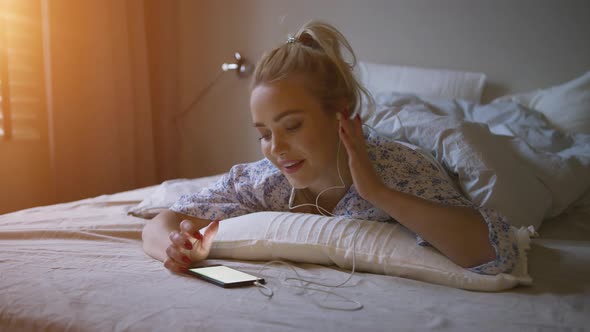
[(297, 183)]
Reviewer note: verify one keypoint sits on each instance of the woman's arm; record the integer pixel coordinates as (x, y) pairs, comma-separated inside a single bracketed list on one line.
[(168, 233), (460, 233), (171, 237)]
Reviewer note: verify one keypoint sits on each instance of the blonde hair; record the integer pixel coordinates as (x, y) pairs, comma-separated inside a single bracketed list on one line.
[(315, 53)]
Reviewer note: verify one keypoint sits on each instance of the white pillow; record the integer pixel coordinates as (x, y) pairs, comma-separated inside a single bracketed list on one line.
[(381, 248), (168, 193), (424, 82), (566, 106)]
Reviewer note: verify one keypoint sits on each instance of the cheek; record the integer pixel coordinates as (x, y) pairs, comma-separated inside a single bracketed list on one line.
[(320, 142), (265, 148)]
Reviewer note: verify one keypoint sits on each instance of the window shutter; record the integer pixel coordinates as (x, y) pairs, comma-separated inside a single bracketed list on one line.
[(22, 103)]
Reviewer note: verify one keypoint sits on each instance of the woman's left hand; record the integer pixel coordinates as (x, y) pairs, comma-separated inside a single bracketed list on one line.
[(363, 174)]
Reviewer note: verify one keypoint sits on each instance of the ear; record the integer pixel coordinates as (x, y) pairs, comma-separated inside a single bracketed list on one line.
[(344, 114), (341, 106)]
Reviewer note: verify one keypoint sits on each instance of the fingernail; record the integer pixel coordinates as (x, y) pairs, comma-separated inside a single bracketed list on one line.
[(186, 260), (198, 235), (188, 245)]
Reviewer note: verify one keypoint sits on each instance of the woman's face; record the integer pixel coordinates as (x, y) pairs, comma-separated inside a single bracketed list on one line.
[(296, 135)]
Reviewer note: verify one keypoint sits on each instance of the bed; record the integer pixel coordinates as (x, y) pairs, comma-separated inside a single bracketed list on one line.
[(79, 266)]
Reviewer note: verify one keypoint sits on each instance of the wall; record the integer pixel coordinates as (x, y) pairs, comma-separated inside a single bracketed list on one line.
[(101, 125), (24, 175), (97, 136), (520, 45)]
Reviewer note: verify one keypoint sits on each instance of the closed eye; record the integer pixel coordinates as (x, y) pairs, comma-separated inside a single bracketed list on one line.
[(264, 136), (294, 127)]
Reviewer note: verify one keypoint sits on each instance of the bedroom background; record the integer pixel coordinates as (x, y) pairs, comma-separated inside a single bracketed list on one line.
[(111, 76)]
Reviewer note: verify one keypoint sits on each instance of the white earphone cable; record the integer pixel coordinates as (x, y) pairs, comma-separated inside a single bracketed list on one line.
[(267, 291), (320, 209)]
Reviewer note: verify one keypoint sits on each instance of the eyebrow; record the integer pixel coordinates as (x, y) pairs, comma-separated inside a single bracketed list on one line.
[(280, 116)]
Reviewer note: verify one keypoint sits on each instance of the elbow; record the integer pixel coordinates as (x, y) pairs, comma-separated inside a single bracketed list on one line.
[(146, 232), (485, 255), (155, 234), (149, 241), (480, 250), (145, 238)]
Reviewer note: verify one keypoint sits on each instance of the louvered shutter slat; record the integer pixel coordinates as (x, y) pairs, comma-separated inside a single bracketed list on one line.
[(22, 46)]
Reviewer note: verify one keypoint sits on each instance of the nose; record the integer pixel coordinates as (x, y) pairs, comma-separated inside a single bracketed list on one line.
[(279, 145)]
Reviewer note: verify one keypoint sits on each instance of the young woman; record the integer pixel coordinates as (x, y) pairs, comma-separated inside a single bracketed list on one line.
[(303, 94)]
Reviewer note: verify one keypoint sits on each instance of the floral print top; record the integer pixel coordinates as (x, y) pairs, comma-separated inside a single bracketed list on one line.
[(260, 186)]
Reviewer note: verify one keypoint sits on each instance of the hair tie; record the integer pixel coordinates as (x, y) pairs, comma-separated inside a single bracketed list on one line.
[(305, 40)]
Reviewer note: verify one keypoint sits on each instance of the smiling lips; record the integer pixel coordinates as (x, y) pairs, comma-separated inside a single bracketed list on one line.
[(291, 166)]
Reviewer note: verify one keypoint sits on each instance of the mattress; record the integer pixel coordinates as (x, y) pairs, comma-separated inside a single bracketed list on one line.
[(80, 266)]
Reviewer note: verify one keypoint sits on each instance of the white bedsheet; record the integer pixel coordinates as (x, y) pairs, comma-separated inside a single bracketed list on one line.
[(79, 266)]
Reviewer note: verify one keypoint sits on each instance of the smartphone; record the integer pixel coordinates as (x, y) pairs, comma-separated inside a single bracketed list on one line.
[(224, 276)]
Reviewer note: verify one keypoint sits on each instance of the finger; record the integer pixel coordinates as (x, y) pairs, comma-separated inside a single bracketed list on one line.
[(353, 128), (344, 122), (172, 266), (344, 132), (345, 138), (353, 139), (210, 233), (177, 256), (348, 136), (180, 240), (358, 124), (190, 228)]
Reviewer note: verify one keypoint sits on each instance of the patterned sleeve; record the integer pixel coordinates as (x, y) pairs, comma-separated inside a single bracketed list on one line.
[(231, 196), (412, 171)]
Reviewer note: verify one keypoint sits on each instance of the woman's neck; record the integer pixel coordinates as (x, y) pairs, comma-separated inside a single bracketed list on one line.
[(338, 184), (329, 199), (338, 176)]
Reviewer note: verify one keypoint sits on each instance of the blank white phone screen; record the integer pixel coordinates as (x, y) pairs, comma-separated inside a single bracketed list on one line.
[(224, 274)]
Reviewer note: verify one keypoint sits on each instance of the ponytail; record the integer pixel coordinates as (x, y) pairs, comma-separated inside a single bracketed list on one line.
[(315, 53)]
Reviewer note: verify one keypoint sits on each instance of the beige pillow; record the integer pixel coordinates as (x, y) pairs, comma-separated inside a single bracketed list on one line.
[(380, 248), (566, 106)]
